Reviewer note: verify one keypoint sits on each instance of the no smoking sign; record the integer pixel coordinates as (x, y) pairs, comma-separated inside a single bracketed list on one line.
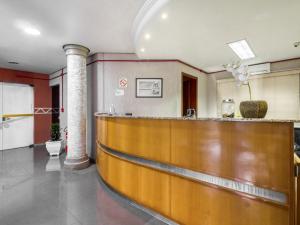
[(123, 83)]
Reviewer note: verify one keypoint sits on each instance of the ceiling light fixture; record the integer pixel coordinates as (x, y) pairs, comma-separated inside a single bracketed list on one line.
[(142, 50), (164, 16), (147, 36), (32, 31), (27, 27), (242, 49)]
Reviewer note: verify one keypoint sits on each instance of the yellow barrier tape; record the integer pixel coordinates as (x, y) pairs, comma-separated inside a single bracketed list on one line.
[(15, 115)]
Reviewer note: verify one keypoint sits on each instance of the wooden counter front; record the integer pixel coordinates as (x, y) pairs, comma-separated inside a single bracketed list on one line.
[(253, 153)]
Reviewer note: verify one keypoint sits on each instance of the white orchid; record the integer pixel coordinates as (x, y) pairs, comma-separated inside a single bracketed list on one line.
[(240, 74)]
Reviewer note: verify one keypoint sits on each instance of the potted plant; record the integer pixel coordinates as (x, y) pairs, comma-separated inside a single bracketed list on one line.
[(251, 108), (54, 146)]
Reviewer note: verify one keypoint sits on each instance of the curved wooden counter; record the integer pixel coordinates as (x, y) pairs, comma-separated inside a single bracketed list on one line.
[(207, 172)]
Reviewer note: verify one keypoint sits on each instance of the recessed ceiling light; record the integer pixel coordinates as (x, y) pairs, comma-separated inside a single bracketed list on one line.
[(27, 27), (164, 16), (147, 36), (242, 49), (32, 31), (142, 50), (12, 62)]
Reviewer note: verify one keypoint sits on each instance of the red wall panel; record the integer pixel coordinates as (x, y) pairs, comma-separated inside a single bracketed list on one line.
[(42, 98)]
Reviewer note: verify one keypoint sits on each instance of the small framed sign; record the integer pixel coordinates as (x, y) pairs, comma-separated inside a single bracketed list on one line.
[(149, 87)]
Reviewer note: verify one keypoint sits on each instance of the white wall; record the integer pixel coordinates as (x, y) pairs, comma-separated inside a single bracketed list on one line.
[(103, 78), (211, 96), (166, 106), (109, 73)]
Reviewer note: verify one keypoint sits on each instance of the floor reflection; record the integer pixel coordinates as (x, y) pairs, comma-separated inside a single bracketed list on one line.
[(53, 164), (36, 190)]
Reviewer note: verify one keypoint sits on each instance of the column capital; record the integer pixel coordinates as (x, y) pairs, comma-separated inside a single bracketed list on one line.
[(74, 49)]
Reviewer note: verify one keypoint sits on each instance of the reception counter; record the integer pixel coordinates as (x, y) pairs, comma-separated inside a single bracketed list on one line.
[(202, 171)]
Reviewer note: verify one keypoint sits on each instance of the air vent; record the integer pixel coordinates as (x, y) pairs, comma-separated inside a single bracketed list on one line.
[(259, 69), (14, 63)]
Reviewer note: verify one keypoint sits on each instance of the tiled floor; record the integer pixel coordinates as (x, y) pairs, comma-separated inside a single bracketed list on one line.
[(35, 191)]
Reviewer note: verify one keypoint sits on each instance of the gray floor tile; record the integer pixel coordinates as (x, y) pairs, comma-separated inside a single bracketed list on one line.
[(31, 195)]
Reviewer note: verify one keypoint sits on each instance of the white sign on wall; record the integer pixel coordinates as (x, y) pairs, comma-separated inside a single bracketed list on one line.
[(119, 92), (123, 82)]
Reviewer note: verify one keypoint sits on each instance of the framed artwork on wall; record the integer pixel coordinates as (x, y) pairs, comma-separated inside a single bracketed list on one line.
[(149, 88)]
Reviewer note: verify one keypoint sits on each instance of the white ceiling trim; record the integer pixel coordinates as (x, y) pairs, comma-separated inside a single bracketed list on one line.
[(146, 13), (197, 31)]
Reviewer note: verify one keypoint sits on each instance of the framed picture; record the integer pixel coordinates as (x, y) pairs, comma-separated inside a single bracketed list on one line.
[(149, 87)]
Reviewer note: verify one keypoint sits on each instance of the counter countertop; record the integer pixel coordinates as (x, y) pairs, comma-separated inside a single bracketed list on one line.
[(200, 119)]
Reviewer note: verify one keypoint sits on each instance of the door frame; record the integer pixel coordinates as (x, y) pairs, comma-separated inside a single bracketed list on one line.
[(183, 74), (33, 110)]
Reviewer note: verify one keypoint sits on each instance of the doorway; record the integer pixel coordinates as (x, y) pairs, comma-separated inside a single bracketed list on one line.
[(17, 115), (55, 103), (189, 93)]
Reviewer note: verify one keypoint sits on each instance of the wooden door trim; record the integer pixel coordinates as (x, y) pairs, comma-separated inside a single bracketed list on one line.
[(183, 74)]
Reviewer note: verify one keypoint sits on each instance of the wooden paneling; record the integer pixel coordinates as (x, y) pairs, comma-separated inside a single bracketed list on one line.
[(137, 137), (196, 204), (101, 134), (259, 153), (297, 190), (245, 151), (121, 175), (154, 188), (146, 186), (298, 201), (186, 201)]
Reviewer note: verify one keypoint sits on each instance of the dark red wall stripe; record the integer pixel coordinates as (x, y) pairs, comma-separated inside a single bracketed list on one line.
[(137, 61), (147, 60), (172, 60)]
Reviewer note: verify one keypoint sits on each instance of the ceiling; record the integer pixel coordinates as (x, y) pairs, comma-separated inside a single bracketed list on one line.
[(101, 25), (197, 31)]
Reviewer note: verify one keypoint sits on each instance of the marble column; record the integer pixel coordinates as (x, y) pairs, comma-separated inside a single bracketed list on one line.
[(77, 106)]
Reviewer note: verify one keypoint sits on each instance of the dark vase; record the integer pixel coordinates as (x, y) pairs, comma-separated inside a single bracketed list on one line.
[(253, 109)]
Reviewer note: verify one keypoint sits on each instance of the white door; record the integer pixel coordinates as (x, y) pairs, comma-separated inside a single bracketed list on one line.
[(17, 115)]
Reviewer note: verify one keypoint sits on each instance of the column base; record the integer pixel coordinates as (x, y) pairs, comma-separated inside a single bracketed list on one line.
[(77, 164)]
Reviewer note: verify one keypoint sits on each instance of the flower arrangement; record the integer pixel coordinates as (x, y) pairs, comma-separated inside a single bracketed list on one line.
[(248, 109), (240, 74)]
